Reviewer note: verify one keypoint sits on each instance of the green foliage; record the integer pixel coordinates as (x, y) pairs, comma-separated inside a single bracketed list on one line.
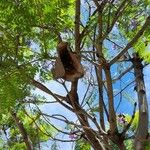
[(128, 28), (28, 37), (24, 24), (135, 121), (123, 121), (147, 145), (129, 144), (37, 130), (35, 125), (143, 46), (14, 85), (82, 145), (28, 31), (18, 146)]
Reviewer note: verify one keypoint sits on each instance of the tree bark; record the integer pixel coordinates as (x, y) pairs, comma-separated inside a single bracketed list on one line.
[(22, 131), (90, 135), (73, 95), (142, 130), (77, 26), (112, 114)]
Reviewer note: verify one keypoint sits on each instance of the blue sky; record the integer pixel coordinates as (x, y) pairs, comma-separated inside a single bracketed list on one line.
[(125, 107), (127, 100)]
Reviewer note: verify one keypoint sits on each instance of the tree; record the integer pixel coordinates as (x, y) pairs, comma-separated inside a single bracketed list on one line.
[(109, 37)]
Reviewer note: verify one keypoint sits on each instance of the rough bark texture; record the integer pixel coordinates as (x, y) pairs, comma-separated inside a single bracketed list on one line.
[(142, 130)]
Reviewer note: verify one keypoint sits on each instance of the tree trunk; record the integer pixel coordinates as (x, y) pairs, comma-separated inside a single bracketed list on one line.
[(142, 130)]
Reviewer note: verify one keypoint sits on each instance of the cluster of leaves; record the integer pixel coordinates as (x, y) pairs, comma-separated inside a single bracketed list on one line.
[(14, 87), (13, 138), (82, 144), (143, 47), (28, 31), (130, 27), (25, 40)]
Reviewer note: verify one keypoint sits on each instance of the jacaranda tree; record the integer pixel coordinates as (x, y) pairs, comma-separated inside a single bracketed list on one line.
[(94, 52)]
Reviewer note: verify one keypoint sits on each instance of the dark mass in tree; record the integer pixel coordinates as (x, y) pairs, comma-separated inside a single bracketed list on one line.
[(67, 65)]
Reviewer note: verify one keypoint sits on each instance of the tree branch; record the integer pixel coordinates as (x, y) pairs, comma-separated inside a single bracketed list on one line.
[(77, 26), (46, 90), (130, 123), (133, 41), (118, 13), (22, 131)]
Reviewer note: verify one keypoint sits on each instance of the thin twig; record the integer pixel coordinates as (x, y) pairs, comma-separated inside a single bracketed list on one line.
[(133, 41)]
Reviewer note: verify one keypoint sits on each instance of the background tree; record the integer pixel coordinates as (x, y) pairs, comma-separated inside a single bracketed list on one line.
[(111, 40)]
